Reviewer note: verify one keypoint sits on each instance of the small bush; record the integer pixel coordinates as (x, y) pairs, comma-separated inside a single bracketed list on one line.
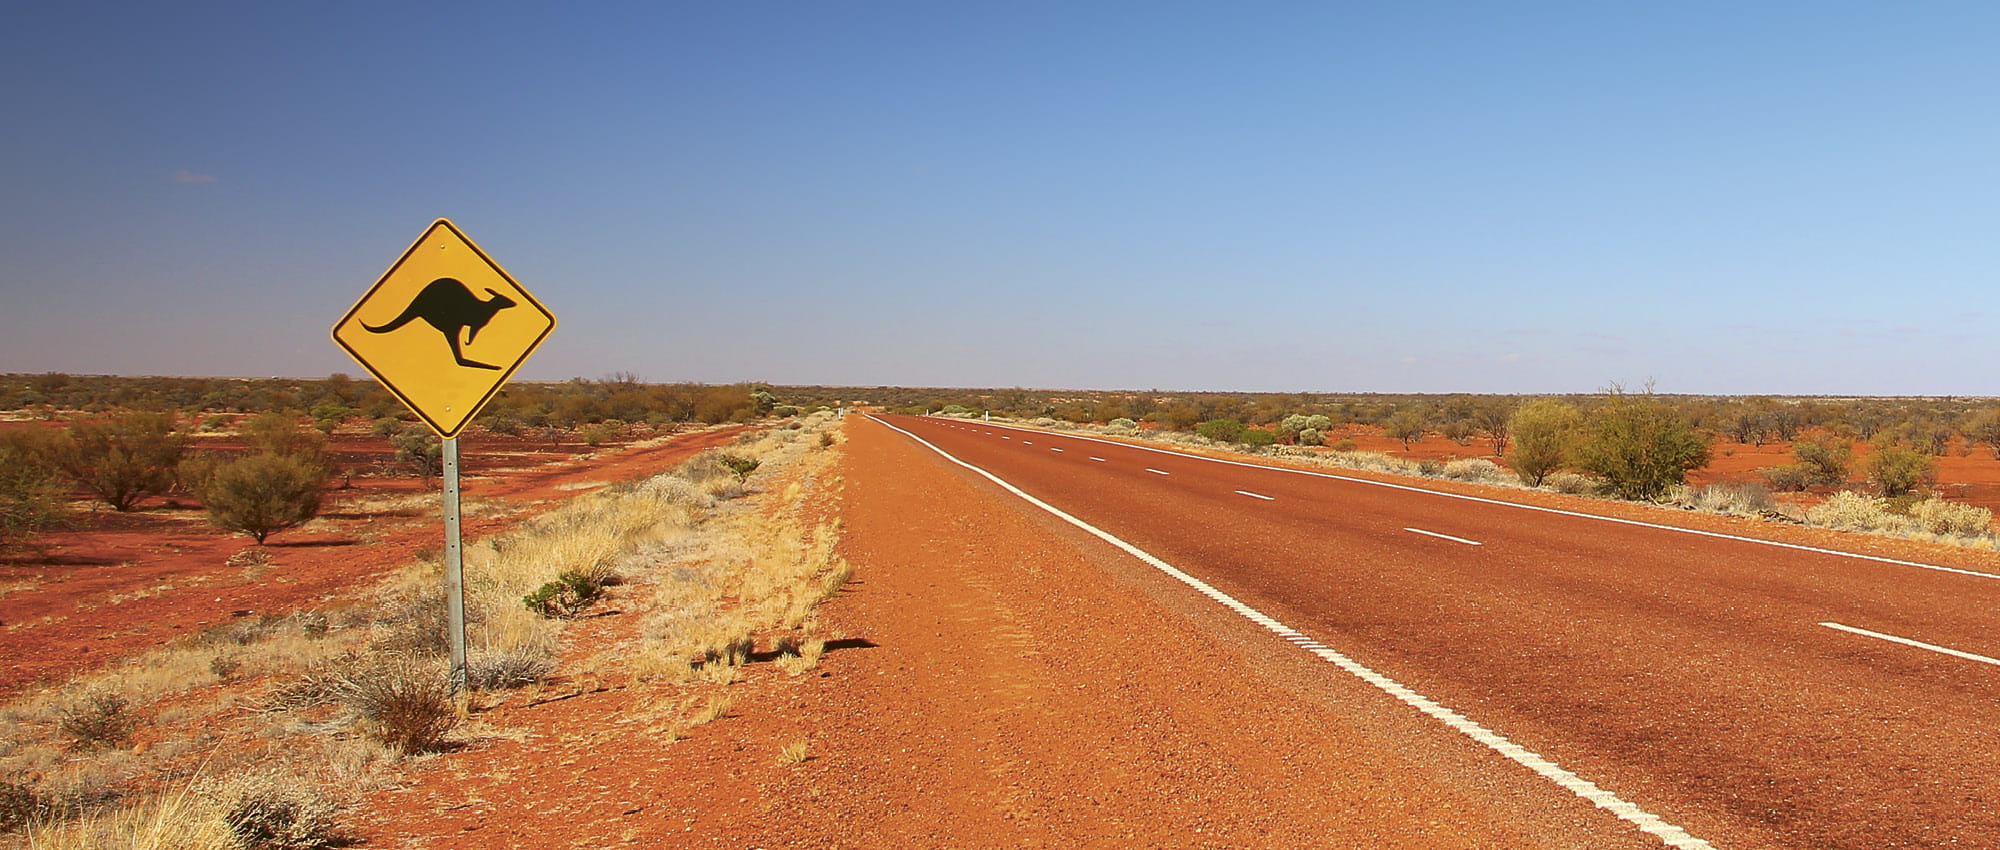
[(266, 814), (224, 666), (98, 721), (421, 449), (567, 596), (1221, 430), (1346, 444), (19, 806), (1641, 446), (264, 493), (596, 435), (124, 459), (1827, 458), (1256, 438), (1938, 516), (33, 494), (407, 699), (1898, 469), (419, 627), (491, 671), (1123, 424), (1791, 478), (1851, 511), (739, 466), (1544, 434), (1313, 437)]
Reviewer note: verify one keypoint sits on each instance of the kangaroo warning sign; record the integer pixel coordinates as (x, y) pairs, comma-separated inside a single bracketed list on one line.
[(444, 328)]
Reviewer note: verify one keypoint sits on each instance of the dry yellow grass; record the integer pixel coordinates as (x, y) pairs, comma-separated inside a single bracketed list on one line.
[(723, 571)]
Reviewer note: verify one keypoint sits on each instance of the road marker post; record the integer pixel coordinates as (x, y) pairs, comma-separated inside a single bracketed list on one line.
[(438, 280)]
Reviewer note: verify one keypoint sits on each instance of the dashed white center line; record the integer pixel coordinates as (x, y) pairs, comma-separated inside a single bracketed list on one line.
[(1916, 643), (1027, 442), (1444, 537), (1158, 471), (1257, 496), (1098, 459)]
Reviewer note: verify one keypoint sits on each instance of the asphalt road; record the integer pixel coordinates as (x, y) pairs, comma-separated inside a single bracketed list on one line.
[(1752, 695)]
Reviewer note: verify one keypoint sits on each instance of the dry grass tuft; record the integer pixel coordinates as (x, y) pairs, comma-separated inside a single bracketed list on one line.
[(407, 700), (97, 721)]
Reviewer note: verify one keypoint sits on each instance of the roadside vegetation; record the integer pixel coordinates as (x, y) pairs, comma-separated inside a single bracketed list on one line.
[(257, 733), (1619, 444)]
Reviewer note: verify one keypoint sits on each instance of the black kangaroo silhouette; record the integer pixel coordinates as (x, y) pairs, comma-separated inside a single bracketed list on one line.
[(450, 306)]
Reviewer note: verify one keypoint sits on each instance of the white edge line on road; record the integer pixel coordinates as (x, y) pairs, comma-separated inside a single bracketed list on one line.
[(1559, 511), (1148, 469), (1647, 822), (1445, 537), (1916, 643), (1258, 496)]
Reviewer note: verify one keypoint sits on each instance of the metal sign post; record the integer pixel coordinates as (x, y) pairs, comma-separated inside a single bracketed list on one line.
[(443, 329), (454, 568)]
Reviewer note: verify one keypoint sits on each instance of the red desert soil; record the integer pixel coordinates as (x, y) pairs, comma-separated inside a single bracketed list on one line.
[(997, 680), (120, 583)]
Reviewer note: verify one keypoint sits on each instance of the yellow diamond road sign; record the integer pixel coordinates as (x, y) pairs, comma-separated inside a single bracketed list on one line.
[(444, 328)]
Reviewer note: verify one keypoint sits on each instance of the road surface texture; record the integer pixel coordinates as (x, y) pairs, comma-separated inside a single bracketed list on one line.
[(1714, 691)]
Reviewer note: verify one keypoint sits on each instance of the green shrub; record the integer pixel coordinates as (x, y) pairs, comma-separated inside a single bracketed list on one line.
[(1826, 458), (596, 435), (1639, 445), (421, 449), (1257, 438), (1542, 432), (739, 466), (33, 492), (124, 459), (1792, 477), (1312, 437), (1221, 430), (1898, 469), (568, 595), (1407, 425), (264, 493)]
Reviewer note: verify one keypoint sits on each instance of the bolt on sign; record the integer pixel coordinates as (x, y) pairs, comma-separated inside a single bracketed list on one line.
[(444, 328)]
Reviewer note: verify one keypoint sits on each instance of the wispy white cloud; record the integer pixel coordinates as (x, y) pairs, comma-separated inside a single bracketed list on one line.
[(185, 176)]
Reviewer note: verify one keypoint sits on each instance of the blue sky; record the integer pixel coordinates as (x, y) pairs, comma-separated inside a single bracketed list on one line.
[(1409, 197)]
